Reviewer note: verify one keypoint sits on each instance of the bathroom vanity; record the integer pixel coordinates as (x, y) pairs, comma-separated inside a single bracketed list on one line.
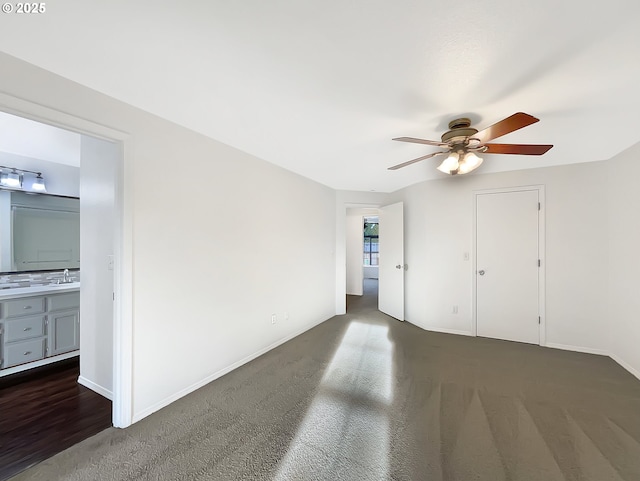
[(38, 325)]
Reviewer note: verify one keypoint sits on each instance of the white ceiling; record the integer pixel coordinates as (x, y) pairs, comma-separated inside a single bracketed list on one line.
[(321, 87)]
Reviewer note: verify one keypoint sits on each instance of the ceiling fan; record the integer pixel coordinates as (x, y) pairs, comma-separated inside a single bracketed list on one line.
[(462, 143)]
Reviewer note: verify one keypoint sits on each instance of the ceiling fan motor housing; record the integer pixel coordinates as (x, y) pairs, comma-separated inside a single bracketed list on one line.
[(460, 129)]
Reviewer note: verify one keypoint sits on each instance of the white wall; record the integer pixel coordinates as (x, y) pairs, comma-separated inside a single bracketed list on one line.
[(438, 231), (622, 322), (354, 241), (97, 231), (207, 271), (35, 140)]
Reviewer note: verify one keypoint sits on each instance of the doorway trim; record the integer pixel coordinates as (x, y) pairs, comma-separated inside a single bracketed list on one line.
[(541, 255), (123, 242)]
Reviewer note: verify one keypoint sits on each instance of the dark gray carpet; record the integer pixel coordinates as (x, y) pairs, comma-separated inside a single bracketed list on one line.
[(365, 397)]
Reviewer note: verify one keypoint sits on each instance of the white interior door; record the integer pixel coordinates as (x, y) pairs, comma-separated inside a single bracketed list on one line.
[(391, 263), (507, 295)]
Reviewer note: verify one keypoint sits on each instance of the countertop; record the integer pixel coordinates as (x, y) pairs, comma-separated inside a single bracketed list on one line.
[(38, 290)]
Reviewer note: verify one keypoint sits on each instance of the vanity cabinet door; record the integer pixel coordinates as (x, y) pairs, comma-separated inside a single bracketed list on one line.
[(63, 332)]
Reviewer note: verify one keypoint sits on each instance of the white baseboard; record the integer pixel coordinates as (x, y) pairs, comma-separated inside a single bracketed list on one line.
[(626, 365), (96, 388), (599, 352), (448, 331), (568, 347), (188, 390), (170, 399)]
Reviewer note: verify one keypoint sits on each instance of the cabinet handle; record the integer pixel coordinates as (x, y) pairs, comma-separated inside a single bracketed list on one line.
[(26, 353), (27, 329), (27, 307)]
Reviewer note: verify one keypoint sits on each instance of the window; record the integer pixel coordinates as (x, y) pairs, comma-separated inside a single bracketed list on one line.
[(371, 251)]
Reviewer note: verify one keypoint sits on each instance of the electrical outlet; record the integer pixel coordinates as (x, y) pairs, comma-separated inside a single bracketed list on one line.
[(273, 318), (454, 310)]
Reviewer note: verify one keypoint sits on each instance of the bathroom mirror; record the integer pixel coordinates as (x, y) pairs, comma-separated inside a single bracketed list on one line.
[(38, 232)]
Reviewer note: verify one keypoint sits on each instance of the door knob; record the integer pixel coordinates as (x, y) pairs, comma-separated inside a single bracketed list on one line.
[(481, 272), (398, 266)]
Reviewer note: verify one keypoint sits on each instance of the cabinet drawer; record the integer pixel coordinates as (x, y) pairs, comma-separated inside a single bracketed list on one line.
[(64, 301), (21, 352), (23, 328), (22, 307)]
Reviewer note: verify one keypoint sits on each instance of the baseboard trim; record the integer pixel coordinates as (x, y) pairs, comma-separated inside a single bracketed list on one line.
[(625, 365), (194, 387), (568, 347), (448, 331), (95, 387), (599, 352)]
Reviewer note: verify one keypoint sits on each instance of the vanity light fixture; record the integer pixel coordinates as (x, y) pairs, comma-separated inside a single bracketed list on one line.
[(13, 178)]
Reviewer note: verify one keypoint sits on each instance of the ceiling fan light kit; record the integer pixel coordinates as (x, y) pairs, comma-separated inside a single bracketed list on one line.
[(460, 163), (463, 142)]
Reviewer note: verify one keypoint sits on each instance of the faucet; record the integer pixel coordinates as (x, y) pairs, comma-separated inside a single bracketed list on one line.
[(65, 276)]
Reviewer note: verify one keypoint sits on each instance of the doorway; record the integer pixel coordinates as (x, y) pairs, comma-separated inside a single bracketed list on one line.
[(508, 280), (122, 296), (362, 254), (95, 182), (376, 236)]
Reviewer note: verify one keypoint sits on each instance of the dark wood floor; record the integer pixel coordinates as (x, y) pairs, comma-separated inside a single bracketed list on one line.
[(44, 411)]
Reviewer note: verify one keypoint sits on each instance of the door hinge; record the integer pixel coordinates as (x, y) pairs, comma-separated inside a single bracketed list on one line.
[(538, 319), (538, 205), (538, 262)]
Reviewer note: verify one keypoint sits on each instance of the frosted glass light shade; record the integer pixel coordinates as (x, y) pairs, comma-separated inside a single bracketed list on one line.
[(11, 179), (450, 164), (470, 162), (38, 184)]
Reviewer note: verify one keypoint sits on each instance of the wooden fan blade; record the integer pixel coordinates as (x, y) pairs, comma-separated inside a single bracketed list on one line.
[(404, 164), (421, 141), (505, 126), (520, 149)]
